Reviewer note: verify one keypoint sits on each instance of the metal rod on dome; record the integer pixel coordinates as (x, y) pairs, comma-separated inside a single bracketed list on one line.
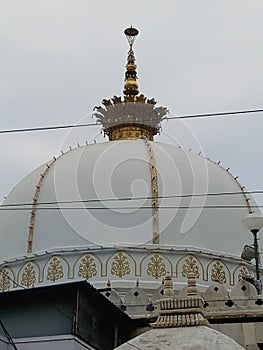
[(131, 34), (130, 86)]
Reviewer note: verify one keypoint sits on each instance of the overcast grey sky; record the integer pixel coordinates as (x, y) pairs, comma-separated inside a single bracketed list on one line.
[(60, 58)]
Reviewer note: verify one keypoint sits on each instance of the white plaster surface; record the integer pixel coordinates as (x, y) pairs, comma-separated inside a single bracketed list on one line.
[(186, 338), (120, 169)]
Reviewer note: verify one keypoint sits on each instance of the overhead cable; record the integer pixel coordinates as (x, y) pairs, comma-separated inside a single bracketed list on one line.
[(189, 116), (179, 207), (8, 336), (121, 199)]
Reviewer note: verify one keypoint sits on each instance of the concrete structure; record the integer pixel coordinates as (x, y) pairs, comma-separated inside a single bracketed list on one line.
[(67, 316), (181, 324)]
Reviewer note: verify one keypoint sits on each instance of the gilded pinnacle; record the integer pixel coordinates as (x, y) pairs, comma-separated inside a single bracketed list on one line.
[(130, 85), (134, 116)]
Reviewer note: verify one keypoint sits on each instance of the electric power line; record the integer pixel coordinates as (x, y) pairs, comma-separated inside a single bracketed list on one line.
[(216, 114), (8, 336), (182, 207), (189, 116), (211, 194)]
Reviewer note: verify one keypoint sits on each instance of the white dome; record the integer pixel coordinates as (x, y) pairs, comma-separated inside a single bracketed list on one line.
[(120, 169), (186, 338)]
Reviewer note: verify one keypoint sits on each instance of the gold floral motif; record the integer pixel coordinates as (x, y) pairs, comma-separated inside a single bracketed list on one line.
[(218, 274), (5, 283), (120, 266), (190, 266), (55, 270), (87, 268), (29, 276), (243, 273), (156, 267)]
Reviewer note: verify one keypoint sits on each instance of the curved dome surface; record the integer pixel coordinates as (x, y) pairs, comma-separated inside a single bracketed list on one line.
[(182, 339), (101, 195)]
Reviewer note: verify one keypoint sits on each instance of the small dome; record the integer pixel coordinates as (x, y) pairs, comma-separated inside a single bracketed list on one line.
[(185, 338), (88, 192)]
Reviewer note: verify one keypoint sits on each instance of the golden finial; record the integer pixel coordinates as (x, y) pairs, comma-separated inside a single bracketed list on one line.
[(130, 85), (134, 116)]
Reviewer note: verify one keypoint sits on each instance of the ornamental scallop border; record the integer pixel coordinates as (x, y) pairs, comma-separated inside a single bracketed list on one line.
[(120, 265)]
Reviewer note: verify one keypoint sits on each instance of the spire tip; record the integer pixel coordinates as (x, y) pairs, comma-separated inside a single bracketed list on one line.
[(131, 34)]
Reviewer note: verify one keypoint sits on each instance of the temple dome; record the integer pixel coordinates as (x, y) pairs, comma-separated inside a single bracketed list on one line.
[(190, 338), (107, 195)]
